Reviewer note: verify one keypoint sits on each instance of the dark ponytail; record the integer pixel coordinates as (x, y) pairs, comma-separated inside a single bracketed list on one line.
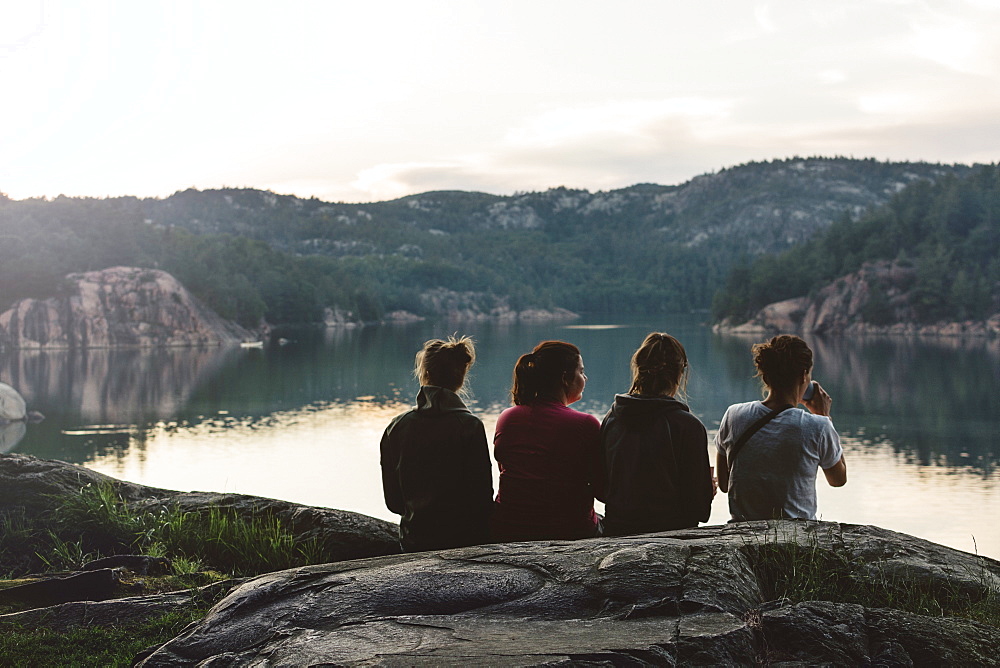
[(540, 373)]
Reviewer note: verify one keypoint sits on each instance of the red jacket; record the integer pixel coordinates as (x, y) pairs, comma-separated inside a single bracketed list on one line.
[(549, 457)]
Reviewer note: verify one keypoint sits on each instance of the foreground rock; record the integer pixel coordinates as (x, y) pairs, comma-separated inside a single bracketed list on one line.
[(133, 609), (116, 307), (696, 597), (876, 299), (34, 487)]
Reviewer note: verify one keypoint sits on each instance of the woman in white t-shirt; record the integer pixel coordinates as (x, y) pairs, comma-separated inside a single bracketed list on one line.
[(772, 473)]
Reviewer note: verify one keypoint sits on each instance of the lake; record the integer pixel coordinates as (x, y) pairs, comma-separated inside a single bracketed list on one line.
[(919, 420)]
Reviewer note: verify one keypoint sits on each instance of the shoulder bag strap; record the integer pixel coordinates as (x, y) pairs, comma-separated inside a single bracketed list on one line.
[(751, 430)]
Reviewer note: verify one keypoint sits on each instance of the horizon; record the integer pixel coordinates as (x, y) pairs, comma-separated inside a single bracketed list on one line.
[(221, 188), (361, 104)]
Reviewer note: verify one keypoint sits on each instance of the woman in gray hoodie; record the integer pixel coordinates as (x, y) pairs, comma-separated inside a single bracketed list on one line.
[(655, 450)]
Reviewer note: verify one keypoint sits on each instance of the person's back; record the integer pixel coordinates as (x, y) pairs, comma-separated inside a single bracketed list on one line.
[(437, 458), (436, 470), (656, 457), (768, 452), (655, 452), (546, 452), (774, 475)]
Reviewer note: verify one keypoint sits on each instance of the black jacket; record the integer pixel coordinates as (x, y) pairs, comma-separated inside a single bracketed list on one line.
[(437, 474), (656, 463)]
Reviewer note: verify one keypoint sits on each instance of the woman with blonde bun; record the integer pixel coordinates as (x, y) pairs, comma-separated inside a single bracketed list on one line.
[(768, 452), (436, 470), (655, 450)]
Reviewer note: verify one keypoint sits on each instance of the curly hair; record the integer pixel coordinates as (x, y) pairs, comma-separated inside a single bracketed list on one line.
[(781, 361)]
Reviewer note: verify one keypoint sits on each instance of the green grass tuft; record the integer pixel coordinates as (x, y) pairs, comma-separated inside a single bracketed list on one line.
[(795, 572), (89, 645), (99, 522)]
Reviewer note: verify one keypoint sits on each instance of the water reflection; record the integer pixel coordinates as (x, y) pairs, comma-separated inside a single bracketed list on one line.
[(111, 386), (933, 401), (11, 434), (302, 421)]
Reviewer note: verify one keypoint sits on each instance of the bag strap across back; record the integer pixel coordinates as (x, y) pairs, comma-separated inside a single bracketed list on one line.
[(751, 430)]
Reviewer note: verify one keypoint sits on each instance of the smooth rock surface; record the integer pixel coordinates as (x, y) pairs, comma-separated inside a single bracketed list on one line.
[(115, 612), (678, 598), (116, 307)]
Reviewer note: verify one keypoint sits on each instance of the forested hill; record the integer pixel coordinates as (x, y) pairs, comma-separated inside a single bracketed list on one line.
[(944, 236), (253, 254)]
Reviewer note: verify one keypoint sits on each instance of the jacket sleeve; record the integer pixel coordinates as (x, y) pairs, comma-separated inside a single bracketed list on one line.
[(699, 474), (391, 489), (595, 454), (601, 474), (480, 465)]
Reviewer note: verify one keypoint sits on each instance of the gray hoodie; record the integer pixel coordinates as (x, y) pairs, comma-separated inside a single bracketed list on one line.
[(656, 464)]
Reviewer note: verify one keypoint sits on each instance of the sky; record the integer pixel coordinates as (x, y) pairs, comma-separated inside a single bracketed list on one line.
[(376, 99)]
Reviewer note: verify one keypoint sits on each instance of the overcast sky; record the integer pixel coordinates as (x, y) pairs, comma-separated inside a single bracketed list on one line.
[(369, 100)]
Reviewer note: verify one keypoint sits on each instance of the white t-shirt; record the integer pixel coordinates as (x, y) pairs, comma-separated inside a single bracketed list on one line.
[(774, 474)]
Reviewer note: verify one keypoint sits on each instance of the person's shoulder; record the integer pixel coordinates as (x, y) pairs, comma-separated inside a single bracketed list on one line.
[(687, 419), (818, 423), (583, 420), (745, 408)]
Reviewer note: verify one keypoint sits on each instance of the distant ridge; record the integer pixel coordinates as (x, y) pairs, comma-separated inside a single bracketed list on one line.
[(647, 248)]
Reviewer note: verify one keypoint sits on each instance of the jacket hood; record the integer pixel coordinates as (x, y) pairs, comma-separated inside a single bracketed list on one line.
[(433, 400), (630, 406)]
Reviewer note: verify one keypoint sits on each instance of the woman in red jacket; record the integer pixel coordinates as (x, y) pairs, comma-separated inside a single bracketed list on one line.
[(548, 453)]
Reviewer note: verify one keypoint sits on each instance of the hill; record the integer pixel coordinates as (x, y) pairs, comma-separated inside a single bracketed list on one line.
[(931, 255), (253, 254)]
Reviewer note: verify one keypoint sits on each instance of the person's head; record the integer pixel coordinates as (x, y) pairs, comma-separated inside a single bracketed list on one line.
[(659, 366), (782, 363), (553, 370), (445, 363)]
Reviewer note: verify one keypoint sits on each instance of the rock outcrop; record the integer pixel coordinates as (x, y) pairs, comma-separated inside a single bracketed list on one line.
[(873, 300), (12, 405), (116, 307), (35, 487), (695, 597)]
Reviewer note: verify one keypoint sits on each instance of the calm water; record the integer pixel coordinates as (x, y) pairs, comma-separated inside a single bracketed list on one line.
[(302, 422)]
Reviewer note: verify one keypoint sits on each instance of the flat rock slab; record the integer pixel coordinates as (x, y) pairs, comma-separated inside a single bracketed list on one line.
[(133, 609), (678, 598)]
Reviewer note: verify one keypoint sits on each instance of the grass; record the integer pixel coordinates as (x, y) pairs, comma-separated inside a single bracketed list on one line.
[(98, 522), (795, 572), (89, 645), (203, 546)]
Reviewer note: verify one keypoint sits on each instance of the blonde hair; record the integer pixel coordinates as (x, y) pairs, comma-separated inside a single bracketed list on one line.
[(445, 363), (659, 366)]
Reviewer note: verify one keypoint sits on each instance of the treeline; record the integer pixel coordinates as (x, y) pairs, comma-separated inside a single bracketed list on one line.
[(252, 254), (948, 230)]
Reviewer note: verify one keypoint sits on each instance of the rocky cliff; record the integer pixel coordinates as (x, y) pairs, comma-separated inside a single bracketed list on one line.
[(116, 307), (877, 299)]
